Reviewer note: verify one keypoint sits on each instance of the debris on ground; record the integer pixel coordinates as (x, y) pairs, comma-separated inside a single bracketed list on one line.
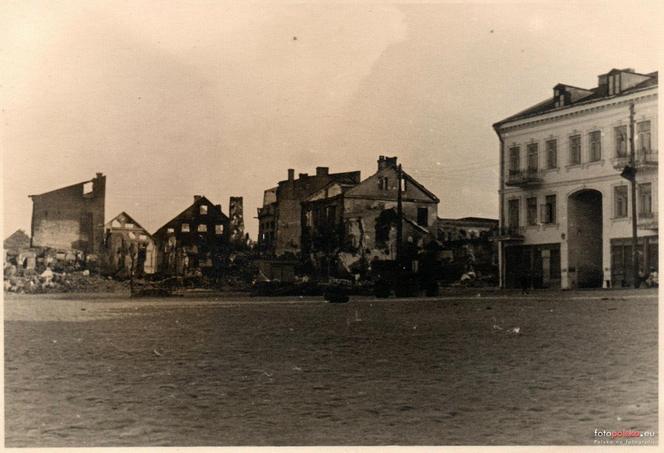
[(30, 282)]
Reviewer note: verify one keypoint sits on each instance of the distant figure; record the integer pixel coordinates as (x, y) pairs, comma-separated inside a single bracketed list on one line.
[(140, 260), (524, 283)]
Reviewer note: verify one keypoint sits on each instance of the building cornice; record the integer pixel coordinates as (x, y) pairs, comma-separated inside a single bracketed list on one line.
[(578, 110)]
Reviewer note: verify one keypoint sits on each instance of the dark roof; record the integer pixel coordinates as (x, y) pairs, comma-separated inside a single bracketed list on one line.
[(478, 219), (348, 177), (469, 221), (596, 94), (214, 209)]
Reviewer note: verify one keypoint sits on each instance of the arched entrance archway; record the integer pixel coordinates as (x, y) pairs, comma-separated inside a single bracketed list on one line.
[(584, 238)]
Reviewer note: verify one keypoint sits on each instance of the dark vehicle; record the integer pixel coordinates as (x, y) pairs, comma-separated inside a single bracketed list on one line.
[(389, 277), (336, 294)]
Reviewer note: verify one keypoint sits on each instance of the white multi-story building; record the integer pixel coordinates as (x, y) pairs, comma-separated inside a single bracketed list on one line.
[(565, 210)]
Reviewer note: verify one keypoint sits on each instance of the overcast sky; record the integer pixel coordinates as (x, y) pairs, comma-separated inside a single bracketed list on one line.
[(175, 98)]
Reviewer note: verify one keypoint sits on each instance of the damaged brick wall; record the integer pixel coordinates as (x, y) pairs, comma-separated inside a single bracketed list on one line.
[(373, 218), (71, 217)]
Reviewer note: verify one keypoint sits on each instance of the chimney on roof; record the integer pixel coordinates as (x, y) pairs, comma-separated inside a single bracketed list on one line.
[(196, 198), (322, 171), (98, 184), (603, 84), (291, 174), (385, 162), (303, 175)]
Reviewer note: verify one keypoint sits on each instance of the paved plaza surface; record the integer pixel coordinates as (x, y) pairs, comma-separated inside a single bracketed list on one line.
[(465, 368)]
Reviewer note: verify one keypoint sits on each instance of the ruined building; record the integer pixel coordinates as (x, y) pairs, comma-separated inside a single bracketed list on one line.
[(468, 244), (71, 218), (194, 242), (125, 240), (17, 250), (279, 218), (565, 209), (16, 242), (267, 222), (347, 224), (236, 217)]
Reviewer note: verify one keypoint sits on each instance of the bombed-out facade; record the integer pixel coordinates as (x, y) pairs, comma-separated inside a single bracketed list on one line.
[(346, 226), (194, 242), (565, 210), (128, 245), (267, 222), (71, 218)]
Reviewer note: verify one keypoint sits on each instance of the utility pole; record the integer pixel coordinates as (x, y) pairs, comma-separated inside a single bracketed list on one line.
[(632, 164), (399, 215)]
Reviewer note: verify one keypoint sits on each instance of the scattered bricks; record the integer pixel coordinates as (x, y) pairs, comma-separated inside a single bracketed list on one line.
[(55, 282)]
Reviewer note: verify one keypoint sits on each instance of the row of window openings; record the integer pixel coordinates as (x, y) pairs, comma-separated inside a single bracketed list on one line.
[(548, 209), (594, 144), (201, 228)]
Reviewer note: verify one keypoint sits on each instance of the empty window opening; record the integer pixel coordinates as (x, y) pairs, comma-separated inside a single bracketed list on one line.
[(423, 216)]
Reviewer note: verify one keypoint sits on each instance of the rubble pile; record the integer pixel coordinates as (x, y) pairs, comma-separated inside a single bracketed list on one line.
[(32, 282), (53, 271)]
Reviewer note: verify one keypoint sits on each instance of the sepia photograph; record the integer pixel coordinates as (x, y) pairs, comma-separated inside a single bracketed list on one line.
[(330, 223)]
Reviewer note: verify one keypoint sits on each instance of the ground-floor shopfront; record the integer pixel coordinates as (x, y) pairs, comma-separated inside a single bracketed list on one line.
[(539, 266), (621, 259), (535, 266)]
